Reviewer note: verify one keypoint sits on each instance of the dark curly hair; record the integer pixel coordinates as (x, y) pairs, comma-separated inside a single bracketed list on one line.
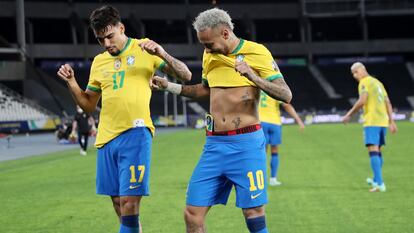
[(104, 16)]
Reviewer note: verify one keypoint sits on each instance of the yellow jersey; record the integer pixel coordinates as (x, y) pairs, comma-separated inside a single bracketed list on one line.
[(123, 81), (269, 109), (375, 109), (219, 70)]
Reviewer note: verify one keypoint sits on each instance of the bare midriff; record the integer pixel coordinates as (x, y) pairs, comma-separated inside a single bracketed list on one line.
[(234, 107)]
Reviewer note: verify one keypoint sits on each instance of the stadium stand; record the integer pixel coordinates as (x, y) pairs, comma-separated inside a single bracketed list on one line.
[(395, 78), (310, 30), (398, 81), (308, 94), (15, 107)]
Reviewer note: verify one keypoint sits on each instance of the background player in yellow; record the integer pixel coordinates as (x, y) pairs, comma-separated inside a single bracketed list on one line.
[(377, 116), (234, 72), (121, 76), (269, 114)]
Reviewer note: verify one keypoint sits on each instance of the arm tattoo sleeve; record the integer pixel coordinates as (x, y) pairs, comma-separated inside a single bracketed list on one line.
[(176, 68), (198, 91), (277, 89)]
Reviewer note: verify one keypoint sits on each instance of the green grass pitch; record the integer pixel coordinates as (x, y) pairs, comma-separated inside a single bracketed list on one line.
[(323, 172)]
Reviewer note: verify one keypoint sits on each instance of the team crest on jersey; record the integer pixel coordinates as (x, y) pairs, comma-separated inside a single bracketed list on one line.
[(240, 57), (117, 64), (275, 66), (363, 88), (130, 60)]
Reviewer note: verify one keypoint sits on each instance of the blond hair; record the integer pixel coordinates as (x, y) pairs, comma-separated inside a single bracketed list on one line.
[(212, 18), (357, 65)]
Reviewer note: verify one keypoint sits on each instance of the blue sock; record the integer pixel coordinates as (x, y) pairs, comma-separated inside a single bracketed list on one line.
[(257, 225), (129, 224), (381, 159), (274, 164), (376, 166)]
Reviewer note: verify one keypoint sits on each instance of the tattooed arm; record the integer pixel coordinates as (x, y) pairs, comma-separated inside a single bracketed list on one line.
[(198, 91), (176, 68), (277, 89), (173, 67)]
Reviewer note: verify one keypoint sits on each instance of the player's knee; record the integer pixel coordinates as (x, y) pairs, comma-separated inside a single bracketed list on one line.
[(116, 201), (191, 216), (129, 204), (254, 212), (117, 206), (274, 149)]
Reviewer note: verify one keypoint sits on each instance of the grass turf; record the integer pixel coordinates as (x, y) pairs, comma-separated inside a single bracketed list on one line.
[(323, 172)]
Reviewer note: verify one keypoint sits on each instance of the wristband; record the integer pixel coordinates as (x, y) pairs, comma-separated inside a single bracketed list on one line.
[(174, 88)]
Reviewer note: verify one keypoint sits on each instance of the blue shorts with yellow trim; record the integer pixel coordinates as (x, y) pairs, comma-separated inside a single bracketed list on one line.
[(227, 161), (273, 133), (374, 135), (123, 164)]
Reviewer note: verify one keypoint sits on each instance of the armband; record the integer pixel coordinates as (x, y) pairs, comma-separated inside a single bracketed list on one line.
[(174, 88)]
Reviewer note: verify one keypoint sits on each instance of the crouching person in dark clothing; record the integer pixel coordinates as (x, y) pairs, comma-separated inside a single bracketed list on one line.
[(83, 124)]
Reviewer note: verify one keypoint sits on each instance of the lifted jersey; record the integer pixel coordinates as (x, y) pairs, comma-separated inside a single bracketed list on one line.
[(123, 81), (219, 70)]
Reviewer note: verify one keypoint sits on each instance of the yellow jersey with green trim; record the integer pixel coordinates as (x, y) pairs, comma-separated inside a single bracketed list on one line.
[(269, 109), (123, 81), (219, 70), (375, 109)]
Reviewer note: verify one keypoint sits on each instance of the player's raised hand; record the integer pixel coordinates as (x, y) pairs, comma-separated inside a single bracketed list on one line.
[(158, 83), (66, 73), (152, 47), (243, 69)]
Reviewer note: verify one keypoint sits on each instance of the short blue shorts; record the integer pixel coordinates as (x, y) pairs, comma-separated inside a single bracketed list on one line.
[(273, 133), (227, 161), (374, 135), (123, 164)]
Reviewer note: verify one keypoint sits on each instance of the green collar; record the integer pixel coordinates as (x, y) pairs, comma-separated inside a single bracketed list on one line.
[(241, 42), (125, 47)]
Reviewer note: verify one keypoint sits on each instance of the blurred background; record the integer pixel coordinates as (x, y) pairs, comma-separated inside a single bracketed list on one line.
[(313, 41), (323, 169)]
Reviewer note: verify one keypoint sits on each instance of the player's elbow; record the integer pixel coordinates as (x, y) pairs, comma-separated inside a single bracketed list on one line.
[(361, 102), (288, 97), (187, 76)]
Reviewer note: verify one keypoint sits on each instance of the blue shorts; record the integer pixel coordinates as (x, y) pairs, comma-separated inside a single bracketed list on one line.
[(273, 133), (238, 160), (123, 164), (374, 135)]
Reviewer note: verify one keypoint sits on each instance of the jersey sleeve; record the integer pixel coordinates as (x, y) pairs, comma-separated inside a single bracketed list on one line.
[(266, 66), (94, 84), (159, 64), (362, 88)]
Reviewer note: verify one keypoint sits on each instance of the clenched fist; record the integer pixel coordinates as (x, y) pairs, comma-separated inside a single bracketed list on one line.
[(158, 83), (66, 72), (243, 69), (152, 47)]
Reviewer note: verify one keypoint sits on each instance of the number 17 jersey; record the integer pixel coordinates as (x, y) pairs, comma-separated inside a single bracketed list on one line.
[(123, 81)]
